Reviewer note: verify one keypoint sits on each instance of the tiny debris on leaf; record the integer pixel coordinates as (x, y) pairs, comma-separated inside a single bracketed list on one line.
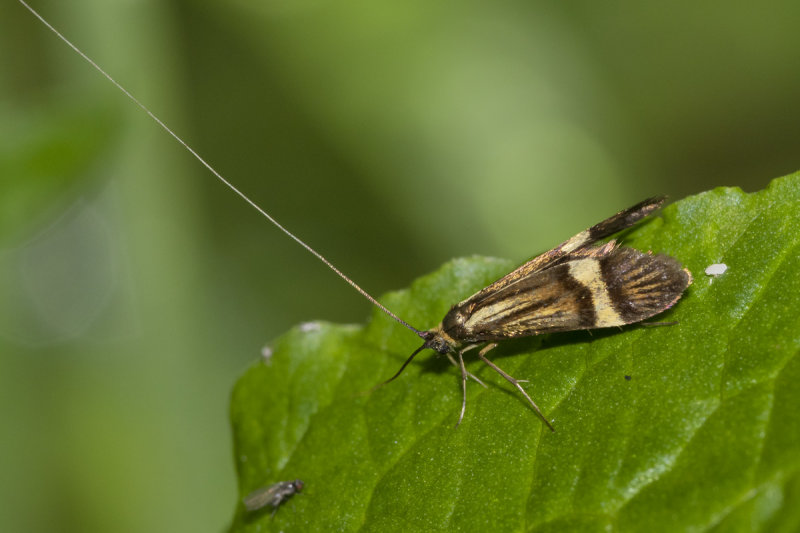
[(716, 269)]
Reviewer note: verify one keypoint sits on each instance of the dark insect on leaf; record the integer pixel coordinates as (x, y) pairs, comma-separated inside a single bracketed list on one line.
[(274, 495), (574, 286)]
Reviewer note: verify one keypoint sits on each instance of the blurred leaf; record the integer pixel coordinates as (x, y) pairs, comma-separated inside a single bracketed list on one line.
[(693, 426), (43, 152)]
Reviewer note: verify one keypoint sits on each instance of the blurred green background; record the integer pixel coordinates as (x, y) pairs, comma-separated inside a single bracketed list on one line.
[(392, 136)]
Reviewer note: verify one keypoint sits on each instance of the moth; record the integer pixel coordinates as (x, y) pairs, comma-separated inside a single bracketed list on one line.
[(273, 495), (576, 285)]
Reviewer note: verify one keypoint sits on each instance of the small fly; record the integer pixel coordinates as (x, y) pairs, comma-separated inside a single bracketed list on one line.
[(274, 495)]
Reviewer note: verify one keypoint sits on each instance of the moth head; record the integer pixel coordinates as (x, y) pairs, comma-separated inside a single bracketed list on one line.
[(437, 340)]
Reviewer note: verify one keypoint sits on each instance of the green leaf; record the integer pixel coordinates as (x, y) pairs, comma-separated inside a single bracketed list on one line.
[(690, 427)]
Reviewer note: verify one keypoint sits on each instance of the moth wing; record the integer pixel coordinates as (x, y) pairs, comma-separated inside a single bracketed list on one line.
[(592, 288), (622, 220)]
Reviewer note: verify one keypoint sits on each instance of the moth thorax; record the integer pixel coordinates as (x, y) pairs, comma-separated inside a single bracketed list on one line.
[(453, 325)]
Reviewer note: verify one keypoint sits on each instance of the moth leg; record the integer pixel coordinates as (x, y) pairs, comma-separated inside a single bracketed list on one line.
[(464, 374), (513, 381), (470, 374)]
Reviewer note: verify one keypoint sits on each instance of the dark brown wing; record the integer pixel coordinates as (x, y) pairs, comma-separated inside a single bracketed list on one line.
[(620, 221), (590, 288)]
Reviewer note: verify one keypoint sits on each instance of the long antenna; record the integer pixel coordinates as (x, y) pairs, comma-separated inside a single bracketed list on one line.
[(230, 185)]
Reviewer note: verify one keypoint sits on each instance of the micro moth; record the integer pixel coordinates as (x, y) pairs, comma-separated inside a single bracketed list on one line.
[(574, 286)]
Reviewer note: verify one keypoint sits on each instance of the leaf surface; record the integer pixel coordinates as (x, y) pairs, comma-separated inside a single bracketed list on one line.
[(688, 427)]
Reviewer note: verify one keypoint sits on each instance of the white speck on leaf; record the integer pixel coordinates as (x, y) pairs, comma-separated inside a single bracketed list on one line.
[(716, 269)]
